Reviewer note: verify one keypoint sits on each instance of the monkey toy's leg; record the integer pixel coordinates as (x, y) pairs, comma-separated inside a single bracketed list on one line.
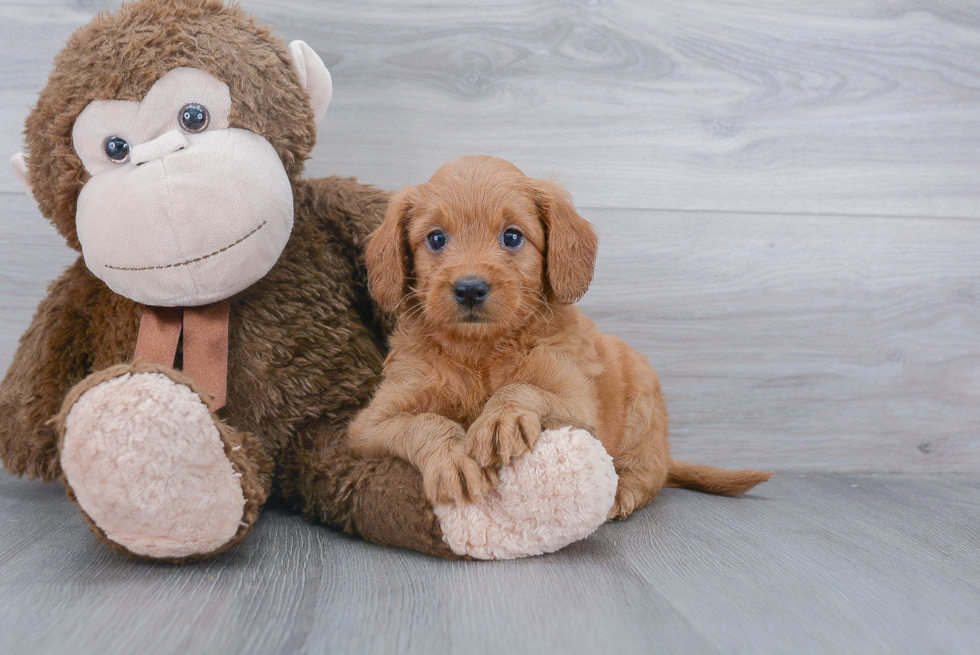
[(380, 499), (154, 472), (557, 494)]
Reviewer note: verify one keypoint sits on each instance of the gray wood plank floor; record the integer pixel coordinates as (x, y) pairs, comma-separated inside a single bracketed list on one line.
[(787, 195), (805, 564)]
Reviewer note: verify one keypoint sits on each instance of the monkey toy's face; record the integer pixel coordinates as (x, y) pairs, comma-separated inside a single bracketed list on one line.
[(181, 209), (168, 144)]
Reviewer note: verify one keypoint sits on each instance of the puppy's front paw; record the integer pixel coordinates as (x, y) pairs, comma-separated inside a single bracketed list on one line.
[(450, 477), (501, 434)]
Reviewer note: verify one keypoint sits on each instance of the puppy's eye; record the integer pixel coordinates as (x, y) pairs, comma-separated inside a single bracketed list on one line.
[(512, 239), (436, 240), (194, 118), (116, 149)]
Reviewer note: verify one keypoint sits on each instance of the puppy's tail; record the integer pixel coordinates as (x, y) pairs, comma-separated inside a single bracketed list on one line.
[(713, 480)]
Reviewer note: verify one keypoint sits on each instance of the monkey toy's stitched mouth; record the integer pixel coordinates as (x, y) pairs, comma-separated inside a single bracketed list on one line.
[(189, 261)]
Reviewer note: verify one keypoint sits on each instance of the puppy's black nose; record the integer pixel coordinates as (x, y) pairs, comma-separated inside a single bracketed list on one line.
[(470, 291)]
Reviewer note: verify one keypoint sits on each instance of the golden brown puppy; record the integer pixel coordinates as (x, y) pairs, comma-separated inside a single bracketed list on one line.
[(482, 265)]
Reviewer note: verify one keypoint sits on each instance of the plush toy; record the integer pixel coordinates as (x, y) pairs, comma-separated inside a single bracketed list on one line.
[(209, 347)]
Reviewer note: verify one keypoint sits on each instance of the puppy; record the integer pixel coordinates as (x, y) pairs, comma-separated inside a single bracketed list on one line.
[(482, 266)]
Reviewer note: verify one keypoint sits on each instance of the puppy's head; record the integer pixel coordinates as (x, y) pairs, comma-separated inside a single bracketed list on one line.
[(479, 248)]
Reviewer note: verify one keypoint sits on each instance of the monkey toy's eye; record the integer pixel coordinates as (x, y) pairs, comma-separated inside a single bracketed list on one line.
[(194, 118), (116, 149), (512, 239), (436, 240)]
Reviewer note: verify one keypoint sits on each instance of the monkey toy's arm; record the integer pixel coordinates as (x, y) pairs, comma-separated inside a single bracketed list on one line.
[(51, 358), (351, 211)]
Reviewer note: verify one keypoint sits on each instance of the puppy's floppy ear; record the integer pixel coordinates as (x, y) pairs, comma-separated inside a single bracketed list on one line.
[(387, 253), (571, 243)]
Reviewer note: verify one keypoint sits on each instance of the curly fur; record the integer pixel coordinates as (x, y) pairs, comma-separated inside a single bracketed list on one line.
[(466, 388)]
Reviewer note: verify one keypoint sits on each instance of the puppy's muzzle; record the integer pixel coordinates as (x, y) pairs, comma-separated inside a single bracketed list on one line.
[(471, 292)]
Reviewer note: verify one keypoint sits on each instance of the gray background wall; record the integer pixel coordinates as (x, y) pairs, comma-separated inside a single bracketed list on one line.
[(788, 193)]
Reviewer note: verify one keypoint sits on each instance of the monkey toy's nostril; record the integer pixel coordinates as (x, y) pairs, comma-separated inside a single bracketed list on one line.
[(470, 291)]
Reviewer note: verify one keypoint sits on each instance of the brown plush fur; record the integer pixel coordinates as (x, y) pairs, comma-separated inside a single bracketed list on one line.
[(468, 389), (306, 343)]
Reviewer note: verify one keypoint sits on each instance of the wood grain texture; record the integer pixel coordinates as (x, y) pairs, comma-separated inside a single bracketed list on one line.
[(791, 343), (866, 107), (846, 564), (807, 343), (790, 340), (869, 107)]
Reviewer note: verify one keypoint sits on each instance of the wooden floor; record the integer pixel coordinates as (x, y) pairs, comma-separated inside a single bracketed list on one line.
[(806, 564), (788, 196)]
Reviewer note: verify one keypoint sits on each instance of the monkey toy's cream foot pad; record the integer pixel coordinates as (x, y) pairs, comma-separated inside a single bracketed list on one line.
[(555, 495), (147, 464)]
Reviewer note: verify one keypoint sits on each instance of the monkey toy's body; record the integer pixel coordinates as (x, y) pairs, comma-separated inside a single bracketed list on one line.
[(302, 356), (168, 148), (155, 473)]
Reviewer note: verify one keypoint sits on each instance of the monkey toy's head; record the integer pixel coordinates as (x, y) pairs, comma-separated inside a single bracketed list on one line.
[(166, 146)]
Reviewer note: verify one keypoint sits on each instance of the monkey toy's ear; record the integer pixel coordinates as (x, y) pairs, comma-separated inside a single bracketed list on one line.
[(313, 75), (19, 164)]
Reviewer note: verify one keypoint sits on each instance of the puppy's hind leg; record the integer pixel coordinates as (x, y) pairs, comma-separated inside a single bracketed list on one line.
[(644, 458)]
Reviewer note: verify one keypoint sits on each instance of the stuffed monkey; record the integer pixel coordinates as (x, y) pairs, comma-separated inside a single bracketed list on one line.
[(215, 337)]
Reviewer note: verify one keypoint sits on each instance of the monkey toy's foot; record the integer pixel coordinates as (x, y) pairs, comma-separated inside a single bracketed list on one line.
[(154, 472), (557, 494)]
